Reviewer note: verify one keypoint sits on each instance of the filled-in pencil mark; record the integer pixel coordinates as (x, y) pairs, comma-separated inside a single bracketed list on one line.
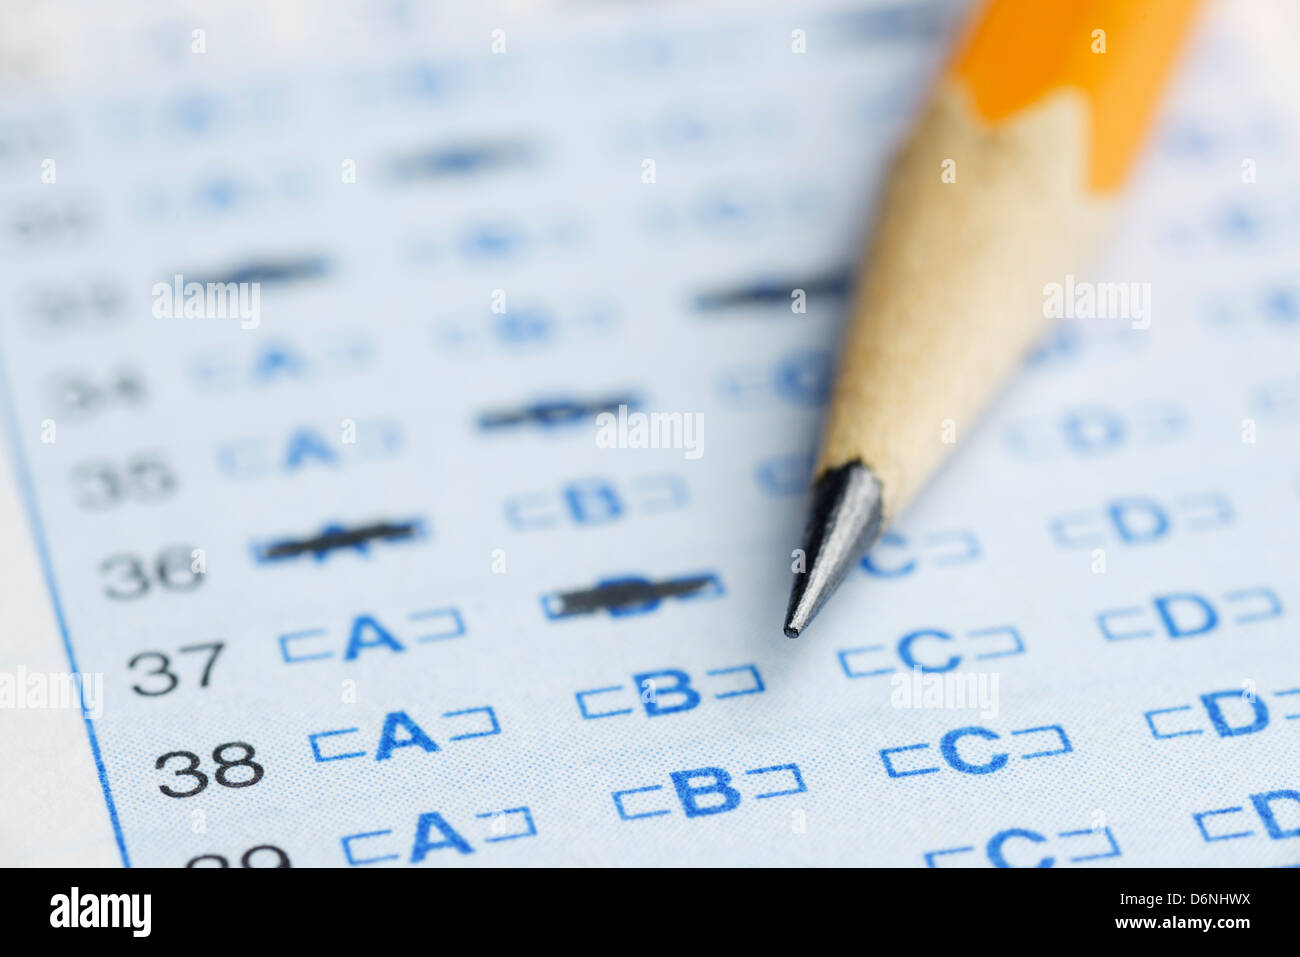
[(460, 160), (274, 271), (773, 292), (629, 596), (334, 537), (554, 412), (919, 21)]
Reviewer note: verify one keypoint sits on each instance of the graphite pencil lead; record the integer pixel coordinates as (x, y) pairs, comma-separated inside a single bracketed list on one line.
[(844, 523)]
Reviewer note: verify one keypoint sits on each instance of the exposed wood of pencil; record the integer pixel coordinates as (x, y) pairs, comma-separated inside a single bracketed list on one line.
[(951, 293)]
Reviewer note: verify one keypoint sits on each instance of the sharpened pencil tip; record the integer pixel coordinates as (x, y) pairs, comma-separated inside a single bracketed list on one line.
[(844, 523)]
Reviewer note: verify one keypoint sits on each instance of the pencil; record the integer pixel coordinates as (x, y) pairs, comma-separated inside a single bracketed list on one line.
[(1004, 186)]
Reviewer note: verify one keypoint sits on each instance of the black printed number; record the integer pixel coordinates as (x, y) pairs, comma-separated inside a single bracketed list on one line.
[(79, 395), (191, 771), (103, 484), (224, 766), (73, 306), (263, 852), (164, 673), (128, 577), (230, 771)]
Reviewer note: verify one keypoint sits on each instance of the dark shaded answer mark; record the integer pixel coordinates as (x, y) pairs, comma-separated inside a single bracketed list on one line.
[(460, 160), (772, 293), (273, 271), (554, 413), (335, 537), (625, 593), (904, 21)]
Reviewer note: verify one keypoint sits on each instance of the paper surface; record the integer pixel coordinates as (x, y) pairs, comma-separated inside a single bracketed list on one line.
[(342, 570)]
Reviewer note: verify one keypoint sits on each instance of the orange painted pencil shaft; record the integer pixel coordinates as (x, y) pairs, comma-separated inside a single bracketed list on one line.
[(1116, 52)]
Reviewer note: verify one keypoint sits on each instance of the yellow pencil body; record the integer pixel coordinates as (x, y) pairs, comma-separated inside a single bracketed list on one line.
[(1003, 188)]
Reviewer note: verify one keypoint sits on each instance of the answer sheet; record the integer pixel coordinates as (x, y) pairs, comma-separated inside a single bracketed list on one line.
[(375, 568)]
